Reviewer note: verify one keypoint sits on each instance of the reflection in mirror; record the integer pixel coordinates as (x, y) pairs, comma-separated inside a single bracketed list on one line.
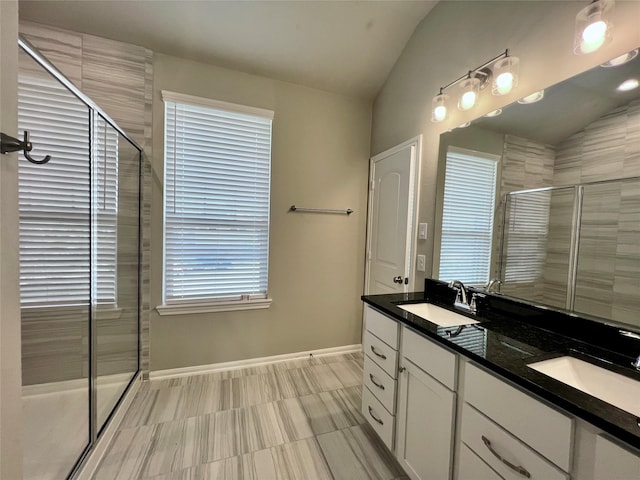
[(567, 207)]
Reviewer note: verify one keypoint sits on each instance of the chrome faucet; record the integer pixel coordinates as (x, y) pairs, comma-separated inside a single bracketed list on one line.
[(462, 291), (636, 364), (494, 282)]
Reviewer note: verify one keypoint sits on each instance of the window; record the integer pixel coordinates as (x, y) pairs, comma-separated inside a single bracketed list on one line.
[(467, 216), (55, 199), (216, 205), (526, 235)]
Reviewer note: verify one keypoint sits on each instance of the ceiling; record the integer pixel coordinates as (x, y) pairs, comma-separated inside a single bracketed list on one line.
[(347, 47)]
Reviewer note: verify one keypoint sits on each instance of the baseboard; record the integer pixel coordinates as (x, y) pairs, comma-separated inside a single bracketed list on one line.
[(88, 468), (71, 385), (251, 362)]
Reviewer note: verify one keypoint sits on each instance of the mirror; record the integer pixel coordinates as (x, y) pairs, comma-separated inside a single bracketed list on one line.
[(565, 229)]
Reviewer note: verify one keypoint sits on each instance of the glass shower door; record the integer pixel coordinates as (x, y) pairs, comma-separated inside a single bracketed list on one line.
[(79, 269), (115, 259), (55, 274)]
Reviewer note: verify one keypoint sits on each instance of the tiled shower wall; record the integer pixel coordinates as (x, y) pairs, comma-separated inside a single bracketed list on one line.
[(118, 77), (525, 164), (609, 254)]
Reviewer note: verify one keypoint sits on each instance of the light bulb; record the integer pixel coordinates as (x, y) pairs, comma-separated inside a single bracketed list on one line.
[(622, 59), (593, 36), (504, 83), (494, 113), (468, 100), (533, 98), (628, 85), (440, 113), (470, 88), (439, 107), (593, 29), (505, 73)]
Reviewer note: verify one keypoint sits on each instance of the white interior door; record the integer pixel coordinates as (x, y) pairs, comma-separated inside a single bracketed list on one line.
[(392, 201)]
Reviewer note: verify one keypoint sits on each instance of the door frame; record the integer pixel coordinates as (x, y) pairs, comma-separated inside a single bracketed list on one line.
[(415, 144)]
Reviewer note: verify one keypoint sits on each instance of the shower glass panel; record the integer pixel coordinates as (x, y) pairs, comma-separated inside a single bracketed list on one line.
[(115, 235), (79, 269), (55, 273), (536, 243)]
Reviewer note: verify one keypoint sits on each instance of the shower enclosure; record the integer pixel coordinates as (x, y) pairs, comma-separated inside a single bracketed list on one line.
[(79, 268), (575, 247)]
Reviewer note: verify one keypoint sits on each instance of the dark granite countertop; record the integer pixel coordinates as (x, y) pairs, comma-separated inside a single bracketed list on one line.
[(511, 335)]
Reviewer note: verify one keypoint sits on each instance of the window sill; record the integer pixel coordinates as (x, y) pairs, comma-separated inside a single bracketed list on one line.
[(192, 308)]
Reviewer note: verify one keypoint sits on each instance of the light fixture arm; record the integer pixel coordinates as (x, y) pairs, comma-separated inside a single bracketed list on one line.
[(476, 70)]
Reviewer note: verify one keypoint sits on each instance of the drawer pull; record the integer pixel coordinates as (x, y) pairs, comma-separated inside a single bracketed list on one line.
[(381, 387), (515, 468), (374, 417), (384, 357)]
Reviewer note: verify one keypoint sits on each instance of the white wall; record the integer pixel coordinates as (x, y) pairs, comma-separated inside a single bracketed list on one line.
[(316, 262), (459, 35), (10, 372)]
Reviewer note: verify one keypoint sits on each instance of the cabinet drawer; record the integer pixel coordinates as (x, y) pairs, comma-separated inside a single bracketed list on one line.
[(382, 327), (378, 417), (543, 428), (381, 353), (380, 384), (471, 467), (497, 447), (430, 357)]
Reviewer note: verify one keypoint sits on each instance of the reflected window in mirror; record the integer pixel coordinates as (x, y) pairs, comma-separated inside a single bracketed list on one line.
[(467, 216)]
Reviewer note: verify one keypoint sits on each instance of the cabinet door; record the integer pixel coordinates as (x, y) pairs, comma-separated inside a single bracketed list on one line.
[(424, 435), (615, 463)]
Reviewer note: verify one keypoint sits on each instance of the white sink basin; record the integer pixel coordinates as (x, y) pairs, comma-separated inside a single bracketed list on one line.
[(437, 315), (610, 387)]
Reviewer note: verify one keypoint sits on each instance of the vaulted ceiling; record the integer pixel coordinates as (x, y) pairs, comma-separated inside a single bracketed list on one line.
[(347, 47)]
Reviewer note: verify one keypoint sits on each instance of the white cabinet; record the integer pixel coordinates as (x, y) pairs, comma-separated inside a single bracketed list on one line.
[(426, 409), (381, 340), (517, 435), (613, 462), (470, 466)]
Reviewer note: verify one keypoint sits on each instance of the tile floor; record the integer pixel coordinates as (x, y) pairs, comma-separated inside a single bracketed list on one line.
[(297, 420)]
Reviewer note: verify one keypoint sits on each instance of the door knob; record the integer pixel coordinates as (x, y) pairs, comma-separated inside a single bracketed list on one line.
[(398, 279)]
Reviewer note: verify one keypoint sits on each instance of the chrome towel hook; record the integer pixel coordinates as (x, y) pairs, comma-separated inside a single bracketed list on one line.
[(10, 144)]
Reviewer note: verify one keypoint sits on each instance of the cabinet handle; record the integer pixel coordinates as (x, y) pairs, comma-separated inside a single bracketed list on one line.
[(384, 357), (374, 417), (381, 387), (515, 468)]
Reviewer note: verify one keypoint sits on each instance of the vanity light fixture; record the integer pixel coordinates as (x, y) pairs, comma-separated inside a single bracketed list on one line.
[(628, 85), (533, 98), (593, 28), (501, 68), (622, 59)]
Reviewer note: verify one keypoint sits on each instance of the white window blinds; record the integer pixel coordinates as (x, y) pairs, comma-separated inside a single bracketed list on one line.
[(216, 195), (526, 235), (55, 198), (467, 217)]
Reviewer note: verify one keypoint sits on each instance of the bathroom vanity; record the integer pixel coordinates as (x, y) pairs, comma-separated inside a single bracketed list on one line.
[(456, 395)]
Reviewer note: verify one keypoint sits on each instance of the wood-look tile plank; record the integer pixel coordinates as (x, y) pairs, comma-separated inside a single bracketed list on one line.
[(263, 430), (357, 453), (334, 410), (300, 460)]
